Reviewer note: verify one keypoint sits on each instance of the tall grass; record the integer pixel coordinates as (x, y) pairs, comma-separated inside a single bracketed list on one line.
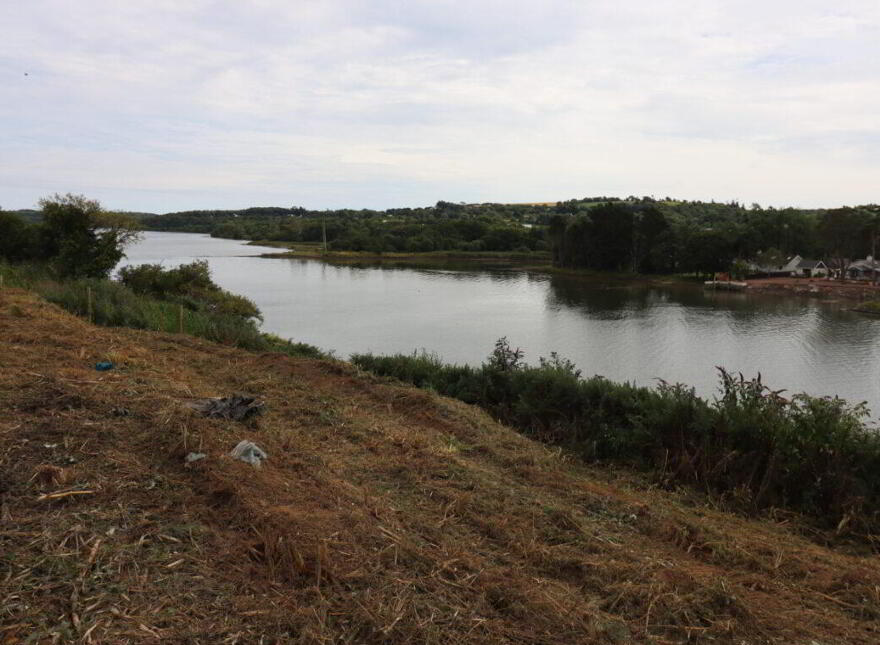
[(749, 444), (115, 305)]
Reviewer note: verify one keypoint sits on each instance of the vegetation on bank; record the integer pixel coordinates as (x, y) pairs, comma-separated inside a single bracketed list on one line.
[(217, 316), (189, 285), (525, 259), (66, 254), (75, 237), (69, 253), (751, 445)]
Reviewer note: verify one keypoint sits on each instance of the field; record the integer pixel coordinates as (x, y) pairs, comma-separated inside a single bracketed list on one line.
[(384, 514)]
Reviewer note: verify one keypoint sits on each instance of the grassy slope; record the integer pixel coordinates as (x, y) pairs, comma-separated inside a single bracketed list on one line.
[(384, 515)]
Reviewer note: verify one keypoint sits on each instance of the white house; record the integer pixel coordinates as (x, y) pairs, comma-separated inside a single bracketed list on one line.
[(811, 269)]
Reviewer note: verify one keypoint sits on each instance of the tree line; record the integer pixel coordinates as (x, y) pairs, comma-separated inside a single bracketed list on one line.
[(650, 236), (639, 235), (447, 226)]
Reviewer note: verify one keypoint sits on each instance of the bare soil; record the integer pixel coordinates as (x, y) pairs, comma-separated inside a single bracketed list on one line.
[(820, 287), (384, 514)]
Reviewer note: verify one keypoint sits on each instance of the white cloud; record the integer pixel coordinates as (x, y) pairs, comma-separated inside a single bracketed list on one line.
[(168, 105)]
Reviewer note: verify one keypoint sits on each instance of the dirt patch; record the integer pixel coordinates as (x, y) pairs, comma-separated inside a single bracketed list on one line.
[(819, 287)]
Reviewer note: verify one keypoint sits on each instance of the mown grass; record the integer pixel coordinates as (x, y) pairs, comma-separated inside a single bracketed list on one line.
[(109, 303), (754, 447)]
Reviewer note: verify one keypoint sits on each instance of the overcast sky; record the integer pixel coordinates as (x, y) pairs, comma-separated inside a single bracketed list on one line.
[(164, 105)]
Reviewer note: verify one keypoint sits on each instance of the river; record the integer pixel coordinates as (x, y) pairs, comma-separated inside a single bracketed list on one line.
[(625, 332)]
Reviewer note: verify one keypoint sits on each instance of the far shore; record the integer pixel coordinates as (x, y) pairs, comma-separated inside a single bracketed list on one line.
[(818, 287), (535, 261), (540, 262)]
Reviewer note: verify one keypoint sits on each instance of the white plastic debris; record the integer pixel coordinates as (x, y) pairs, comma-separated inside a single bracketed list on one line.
[(195, 456), (249, 452)]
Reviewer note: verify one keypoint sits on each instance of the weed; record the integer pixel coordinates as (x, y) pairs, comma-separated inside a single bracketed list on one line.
[(752, 445)]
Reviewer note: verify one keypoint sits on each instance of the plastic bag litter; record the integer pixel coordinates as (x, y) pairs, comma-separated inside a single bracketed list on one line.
[(195, 456), (103, 366), (249, 452), (237, 407)]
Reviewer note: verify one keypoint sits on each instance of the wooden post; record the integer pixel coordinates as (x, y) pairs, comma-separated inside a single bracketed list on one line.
[(89, 304), (180, 319)]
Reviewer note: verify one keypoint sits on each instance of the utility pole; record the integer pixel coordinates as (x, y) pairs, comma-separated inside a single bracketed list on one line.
[(324, 232)]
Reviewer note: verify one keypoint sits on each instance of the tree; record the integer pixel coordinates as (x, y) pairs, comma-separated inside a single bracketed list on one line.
[(17, 238), (81, 239), (649, 226), (845, 233)]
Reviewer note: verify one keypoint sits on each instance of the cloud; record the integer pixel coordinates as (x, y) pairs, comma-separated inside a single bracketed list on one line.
[(172, 105)]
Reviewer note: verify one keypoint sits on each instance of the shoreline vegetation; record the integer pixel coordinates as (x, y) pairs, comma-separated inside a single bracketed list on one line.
[(536, 259), (753, 447), (176, 300)]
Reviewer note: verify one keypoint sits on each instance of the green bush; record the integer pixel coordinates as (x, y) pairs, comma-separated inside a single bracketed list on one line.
[(77, 238), (816, 455), (189, 285)]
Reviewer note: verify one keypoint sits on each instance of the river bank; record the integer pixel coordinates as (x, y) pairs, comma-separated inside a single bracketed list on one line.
[(535, 261), (383, 514), (850, 290), (531, 259)]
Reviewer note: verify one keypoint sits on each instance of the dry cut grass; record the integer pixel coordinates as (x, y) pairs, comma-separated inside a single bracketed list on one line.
[(384, 514)]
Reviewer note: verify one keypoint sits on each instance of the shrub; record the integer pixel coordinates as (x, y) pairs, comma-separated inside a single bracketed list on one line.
[(812, 454), (189, 285)]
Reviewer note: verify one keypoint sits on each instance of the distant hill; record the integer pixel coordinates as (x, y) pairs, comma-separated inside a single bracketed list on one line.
[(33, 215), (28, 214)]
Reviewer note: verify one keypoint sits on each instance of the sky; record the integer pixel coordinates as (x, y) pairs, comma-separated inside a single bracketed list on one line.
[(167, 105)]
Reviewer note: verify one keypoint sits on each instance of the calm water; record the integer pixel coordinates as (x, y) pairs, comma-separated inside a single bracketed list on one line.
[(624, 333)]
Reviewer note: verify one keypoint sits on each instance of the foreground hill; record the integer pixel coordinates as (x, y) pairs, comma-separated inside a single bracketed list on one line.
[(384, 514)]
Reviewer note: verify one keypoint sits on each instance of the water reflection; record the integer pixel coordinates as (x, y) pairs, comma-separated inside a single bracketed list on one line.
[(679, 332)]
